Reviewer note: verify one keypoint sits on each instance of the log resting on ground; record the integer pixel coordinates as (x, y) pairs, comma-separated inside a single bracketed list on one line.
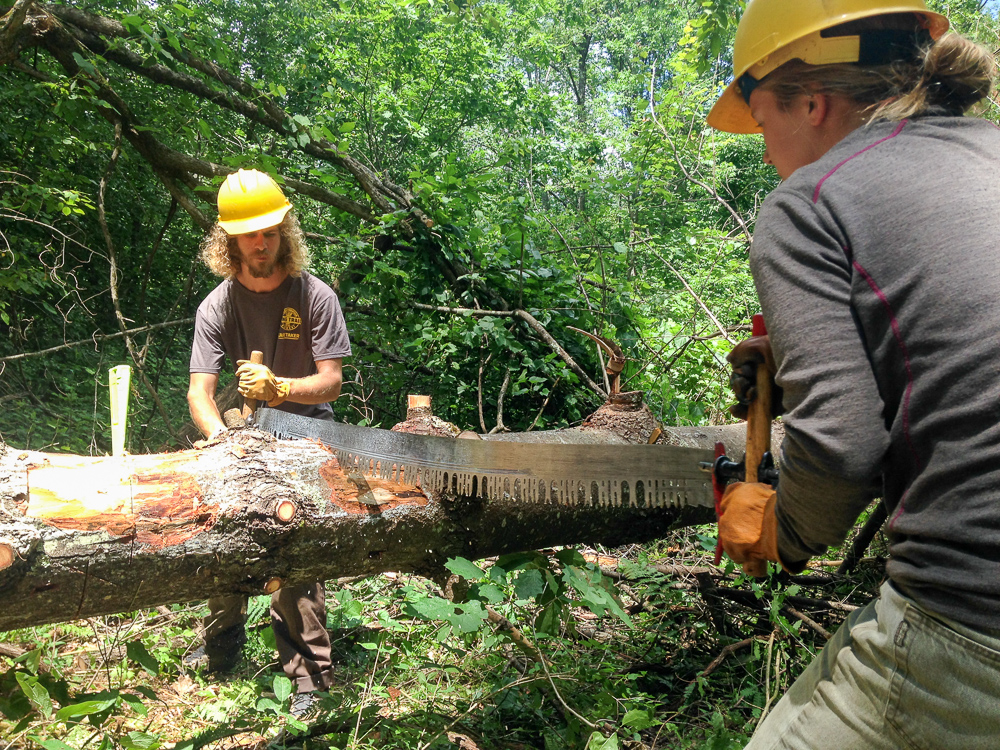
[(83, 536)]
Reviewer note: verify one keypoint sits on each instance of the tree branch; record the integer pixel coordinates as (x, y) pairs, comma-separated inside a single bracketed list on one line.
[(96, 339), (533, 323), (707, 188)]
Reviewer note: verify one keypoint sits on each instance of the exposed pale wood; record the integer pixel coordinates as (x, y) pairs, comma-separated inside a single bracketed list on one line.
[(285, 510), (414, 401)]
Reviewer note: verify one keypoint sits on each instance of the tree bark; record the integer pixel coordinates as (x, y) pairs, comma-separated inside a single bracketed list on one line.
[(83, 536)]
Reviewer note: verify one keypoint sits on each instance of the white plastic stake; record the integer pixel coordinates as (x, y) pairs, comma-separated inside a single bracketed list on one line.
[(118, 380)]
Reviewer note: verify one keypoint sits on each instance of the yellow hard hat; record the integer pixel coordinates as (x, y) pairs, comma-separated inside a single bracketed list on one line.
[(772, 32), (249, 201)]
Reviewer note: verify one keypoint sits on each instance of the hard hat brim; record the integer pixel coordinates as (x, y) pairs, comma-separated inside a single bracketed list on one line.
[(256, 223), (731, 114)]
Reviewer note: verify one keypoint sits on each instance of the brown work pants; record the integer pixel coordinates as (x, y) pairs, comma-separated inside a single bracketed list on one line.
[(298, 618)]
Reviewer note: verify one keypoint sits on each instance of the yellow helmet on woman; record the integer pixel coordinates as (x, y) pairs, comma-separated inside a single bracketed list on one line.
[(249, 201), (772, 32)]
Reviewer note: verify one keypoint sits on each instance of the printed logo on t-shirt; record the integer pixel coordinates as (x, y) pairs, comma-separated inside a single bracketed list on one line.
[(290, 320)]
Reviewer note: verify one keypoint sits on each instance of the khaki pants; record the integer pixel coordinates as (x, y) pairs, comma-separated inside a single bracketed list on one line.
[(298, 618), (893, 676)]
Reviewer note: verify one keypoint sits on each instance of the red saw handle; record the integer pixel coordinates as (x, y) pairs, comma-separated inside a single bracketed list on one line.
[(717, 489)]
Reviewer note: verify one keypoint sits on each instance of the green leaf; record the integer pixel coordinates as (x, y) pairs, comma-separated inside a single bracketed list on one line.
[(529, 584), (136, 704), (140, 741), (468, 617), (206, 129), (519, 561), (598, 741), (465, 568), (549, 620), (137, 652), (347, 127), (432, 608), (268, 704), (282, 687), (35, 693), (268, 639), (640, 719), (85, 708), (84, 63), (571, 556), (465, 618), (488, 591), (146, 692), (50, 744)]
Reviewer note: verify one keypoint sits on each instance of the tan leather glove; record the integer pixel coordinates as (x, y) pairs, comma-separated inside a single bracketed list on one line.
[(746, 357), (259, 383), (748, 528)]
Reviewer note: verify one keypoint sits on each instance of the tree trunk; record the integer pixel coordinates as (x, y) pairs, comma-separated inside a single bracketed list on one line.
[(85, 536)]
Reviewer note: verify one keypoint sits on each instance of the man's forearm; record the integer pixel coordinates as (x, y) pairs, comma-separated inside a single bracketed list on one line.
[(205, 413), (314, 389)]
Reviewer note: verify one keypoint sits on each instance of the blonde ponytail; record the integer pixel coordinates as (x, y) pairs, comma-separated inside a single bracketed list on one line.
[(948, 77), (956, 74)]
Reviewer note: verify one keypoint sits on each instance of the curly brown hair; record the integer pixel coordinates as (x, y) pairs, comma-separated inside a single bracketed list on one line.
[(221, 255)]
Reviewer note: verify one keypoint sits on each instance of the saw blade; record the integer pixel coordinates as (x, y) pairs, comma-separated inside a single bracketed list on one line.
[(636, 475)]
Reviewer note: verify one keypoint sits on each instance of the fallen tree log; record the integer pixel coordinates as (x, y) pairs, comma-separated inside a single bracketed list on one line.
[(84, 536)]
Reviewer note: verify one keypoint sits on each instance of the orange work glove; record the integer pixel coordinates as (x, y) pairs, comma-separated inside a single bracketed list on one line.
[(746, 357), (748, 528), (259, 383)]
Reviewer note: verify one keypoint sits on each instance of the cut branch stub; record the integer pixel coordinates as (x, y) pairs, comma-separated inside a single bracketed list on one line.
[(272, 585), (6, 556), (418, 406), (284, 510)]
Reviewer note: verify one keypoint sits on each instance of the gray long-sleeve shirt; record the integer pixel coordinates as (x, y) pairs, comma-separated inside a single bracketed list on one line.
[(878, 271)]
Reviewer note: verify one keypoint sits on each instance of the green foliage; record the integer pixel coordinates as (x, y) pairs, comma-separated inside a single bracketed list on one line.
[(557, 151)]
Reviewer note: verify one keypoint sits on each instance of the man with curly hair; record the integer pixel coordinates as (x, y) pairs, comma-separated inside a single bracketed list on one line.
[(267, 302)]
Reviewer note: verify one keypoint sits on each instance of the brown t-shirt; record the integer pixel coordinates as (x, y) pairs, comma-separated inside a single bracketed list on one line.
[(296, 325)]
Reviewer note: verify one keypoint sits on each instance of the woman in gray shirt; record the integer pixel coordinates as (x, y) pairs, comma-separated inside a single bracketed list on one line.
[(876, 266)]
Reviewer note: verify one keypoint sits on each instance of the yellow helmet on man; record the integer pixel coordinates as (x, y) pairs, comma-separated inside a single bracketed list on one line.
[(772, 32), (249, 200)]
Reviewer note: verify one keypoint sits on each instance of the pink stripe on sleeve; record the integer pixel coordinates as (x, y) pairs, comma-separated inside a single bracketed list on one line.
[(819, 184)]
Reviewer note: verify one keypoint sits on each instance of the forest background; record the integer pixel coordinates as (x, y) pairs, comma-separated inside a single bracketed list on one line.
[(473, 178)]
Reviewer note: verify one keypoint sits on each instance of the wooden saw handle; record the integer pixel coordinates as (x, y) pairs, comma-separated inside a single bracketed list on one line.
[(758, 432), (250, 404), (759, 413)]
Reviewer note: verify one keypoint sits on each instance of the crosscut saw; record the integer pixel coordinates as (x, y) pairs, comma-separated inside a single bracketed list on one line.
[(570, 474)]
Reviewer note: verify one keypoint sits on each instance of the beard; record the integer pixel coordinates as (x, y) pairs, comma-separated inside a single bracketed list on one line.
[(264, 271)]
